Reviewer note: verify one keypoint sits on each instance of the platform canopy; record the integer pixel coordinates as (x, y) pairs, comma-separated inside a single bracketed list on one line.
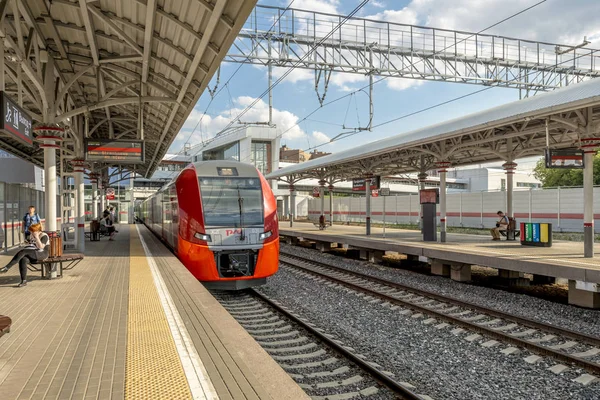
[(503, 133), (113, 69)]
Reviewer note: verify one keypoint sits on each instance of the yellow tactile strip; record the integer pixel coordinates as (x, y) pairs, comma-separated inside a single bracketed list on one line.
[(153, 369)]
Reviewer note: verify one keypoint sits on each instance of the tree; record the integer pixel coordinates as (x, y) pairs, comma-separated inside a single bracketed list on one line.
[(554, 177)]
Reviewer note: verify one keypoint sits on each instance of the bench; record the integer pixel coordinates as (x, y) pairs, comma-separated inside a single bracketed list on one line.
[(95, 236), (511, 233), (5, 323), (47, 265)]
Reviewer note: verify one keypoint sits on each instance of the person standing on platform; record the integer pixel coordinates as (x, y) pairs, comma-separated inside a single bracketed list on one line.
[(37, 251), (29, 219), (113, 217)]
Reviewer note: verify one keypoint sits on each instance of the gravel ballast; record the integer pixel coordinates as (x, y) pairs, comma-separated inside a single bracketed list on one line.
[(438, 363), (562, 315)]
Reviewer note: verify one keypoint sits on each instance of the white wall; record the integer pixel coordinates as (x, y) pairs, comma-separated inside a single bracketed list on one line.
[(563, 208)]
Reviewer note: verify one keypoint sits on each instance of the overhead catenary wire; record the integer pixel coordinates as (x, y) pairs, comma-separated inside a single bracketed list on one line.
[(307, 54), (352, 133), (214, 95)]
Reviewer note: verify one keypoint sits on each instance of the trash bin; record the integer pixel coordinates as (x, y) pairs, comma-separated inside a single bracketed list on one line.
[(536, 234)]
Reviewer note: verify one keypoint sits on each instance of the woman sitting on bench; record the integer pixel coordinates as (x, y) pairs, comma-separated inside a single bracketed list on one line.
[(36, 251)]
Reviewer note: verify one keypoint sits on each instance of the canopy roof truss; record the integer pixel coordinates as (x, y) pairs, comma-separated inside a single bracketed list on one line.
[(126, 69), (524, 128)]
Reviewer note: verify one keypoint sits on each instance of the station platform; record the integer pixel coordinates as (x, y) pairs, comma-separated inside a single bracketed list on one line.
[(455, 257), (128, 322)]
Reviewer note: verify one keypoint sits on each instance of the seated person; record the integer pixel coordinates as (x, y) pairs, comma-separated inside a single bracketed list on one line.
[(37, 251), (107, 226), (501, 225)]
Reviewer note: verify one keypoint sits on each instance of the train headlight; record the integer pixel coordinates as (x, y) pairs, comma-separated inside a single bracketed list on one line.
[(265, 235), (202, 236)]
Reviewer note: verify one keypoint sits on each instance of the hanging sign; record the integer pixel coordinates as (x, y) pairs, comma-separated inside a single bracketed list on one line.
[(384, 191), (110, 194), (15, 121), (115, 151), (374, 193), (358, 184), (316, 192), (564, 158)]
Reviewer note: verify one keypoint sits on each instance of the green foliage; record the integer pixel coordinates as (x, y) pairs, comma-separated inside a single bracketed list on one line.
[(564, 177)]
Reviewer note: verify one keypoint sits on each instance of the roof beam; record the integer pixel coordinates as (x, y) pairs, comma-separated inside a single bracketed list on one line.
[(113, 102), (90, 31), (148, 34), (212, 22), (120, 33)]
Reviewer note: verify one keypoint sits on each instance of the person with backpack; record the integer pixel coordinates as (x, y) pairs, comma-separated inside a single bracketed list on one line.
[(29, 219), (37, 251)]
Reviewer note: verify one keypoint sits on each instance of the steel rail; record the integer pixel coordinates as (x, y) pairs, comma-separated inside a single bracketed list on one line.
[(564, 357), (364, 365), (582, 337)]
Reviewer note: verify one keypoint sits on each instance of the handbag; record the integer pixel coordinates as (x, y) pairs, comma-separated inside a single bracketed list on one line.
[(497, 225)]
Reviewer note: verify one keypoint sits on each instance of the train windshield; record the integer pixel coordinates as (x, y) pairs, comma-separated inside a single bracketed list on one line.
[(232, 202)]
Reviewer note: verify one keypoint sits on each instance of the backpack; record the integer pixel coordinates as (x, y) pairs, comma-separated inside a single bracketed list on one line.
[(28, 219)]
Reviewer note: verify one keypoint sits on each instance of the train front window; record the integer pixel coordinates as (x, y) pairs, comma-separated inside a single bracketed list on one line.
[(224, 198)]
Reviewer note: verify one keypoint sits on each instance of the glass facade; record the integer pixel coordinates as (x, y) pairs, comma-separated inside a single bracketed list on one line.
[(230, 152), (261, 156), (14, 204)]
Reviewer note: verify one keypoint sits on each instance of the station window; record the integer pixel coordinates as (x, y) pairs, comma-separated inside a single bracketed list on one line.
[(261, 156), (229, 152)]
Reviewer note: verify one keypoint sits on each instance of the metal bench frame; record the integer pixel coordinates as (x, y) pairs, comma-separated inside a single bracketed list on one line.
[(71, 260)]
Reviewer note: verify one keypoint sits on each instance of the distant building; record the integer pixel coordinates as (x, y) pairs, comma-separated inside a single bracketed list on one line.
[(292, 155), (316, 154)]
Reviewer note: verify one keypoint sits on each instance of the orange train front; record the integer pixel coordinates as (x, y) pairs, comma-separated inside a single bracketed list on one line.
[(220, 219)]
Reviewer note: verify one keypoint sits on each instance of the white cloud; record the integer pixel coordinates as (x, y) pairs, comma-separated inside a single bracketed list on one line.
[(326, 6), (211, 125), (402, 83), (320, 137), (297, 74), (403, 16), (377, 4)]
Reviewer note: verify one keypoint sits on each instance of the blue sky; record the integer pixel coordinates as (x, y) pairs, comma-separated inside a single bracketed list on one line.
[(553, 21)]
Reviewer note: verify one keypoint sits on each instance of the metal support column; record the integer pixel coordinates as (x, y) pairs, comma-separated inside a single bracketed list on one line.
[(330, 204), (442, 169), (509, 167), (322, 196), (589, 146), (422, 178), (368, 203), (78, 170), (94, 181), (293, 205)]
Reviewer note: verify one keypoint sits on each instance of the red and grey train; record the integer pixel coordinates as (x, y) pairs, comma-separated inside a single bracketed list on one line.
[(220, 219)]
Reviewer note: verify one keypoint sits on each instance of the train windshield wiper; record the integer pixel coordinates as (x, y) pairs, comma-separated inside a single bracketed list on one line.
[(241, 207)]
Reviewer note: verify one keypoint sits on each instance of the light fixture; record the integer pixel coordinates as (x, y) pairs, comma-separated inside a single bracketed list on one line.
[(203, 236), (265, 235)]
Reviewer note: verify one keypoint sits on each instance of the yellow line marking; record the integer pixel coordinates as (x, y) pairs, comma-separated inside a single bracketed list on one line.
[(153, 367)]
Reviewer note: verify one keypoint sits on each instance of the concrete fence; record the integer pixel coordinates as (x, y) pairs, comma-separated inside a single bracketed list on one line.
[(562, 207)]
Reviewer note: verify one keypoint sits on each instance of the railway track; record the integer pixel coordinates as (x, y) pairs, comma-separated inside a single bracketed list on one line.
[(320, 363), (561, 344)]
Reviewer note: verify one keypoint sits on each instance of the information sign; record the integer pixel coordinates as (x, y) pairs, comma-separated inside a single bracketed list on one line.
[(564, 158), (429, 196), (15, 121), (316, 191), (115, 151), (358, 184), (110, 194), (384, 191)]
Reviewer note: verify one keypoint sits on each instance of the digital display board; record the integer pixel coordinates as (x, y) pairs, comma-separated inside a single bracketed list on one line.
[(358, 184), (115, 151), (429, 196), (564, 158), (15, 121)]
